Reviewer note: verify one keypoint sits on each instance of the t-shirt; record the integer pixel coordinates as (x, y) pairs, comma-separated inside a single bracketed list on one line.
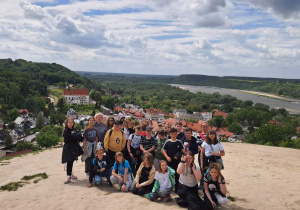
[(121, 167), (163, 179), (135, 140), (127, 133), (172, 147), (216, 147), (212, 185), (160, 144), (148, 143), (145, 174), (187, 178), (180, 135), (101, 131), (90, 134)]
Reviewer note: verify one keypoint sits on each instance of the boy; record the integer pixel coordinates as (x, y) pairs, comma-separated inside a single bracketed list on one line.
[(189, 142), (160, 143), (148, 143), (178, 126), (101, 166), (173, 150), (133, 146)]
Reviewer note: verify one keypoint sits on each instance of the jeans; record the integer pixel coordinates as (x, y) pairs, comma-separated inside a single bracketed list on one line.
[(106, 173)]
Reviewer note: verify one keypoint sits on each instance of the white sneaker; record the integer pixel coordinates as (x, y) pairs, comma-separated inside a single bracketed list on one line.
[(68, 180), (73, 176)]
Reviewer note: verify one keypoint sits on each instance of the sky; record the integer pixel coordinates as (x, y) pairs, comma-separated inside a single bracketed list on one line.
[(256, 38)]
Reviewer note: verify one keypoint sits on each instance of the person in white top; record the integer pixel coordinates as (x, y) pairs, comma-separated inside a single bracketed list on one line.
[(211, 150)]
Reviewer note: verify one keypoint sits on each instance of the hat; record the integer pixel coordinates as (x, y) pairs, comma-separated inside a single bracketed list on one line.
[(149, 128), (118, 122)]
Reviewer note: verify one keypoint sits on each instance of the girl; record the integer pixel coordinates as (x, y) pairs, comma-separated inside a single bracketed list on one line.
[(211, 150), (121, 173), (214, 187), (188, 182), (145, 176), (70, 150), (110, 122), (164, 182), (89, 144)]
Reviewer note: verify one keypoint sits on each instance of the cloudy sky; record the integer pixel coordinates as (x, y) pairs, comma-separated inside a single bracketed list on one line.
[(171, 37)]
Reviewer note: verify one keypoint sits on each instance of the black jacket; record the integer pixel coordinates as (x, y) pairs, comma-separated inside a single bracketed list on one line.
[(71, 149)]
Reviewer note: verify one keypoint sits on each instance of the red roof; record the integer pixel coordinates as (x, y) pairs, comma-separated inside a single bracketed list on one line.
[(76, 92), (217, 112), (117, 108), (23, 110)]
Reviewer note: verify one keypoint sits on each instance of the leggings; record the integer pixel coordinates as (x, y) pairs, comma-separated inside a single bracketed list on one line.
[(69, 167)]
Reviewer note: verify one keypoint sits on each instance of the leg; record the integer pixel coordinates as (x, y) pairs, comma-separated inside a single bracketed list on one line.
[(221, 200), (182, 191), (165, 192), (142, 190), (107, 174), (98, 179), (155, 163), (87, 165), (114, 180), (154, 196), (129, 181), (135, 190), (69, 167)]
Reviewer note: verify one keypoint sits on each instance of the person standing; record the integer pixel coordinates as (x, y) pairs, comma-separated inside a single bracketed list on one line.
[(114, 140), (101, 130)]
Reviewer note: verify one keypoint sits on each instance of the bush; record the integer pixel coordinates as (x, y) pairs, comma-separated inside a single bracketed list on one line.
[(21, 146), (47, 139)]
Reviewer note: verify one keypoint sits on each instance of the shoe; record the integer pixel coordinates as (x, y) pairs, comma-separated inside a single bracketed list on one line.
[(109, 183), (87, 175), (73, 177), (68, 180), (165, 199)]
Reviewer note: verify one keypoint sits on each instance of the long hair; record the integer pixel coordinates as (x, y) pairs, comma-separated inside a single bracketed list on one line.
[(216, 166), (159, 166), (212, 141), (119, 154), (66, 123), (109, 126), (191, 154), (149, 158)]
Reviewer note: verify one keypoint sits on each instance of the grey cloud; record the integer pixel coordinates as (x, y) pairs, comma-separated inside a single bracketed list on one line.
[(210, 20), (32, 11), (284, 8), (162, 3), (211, 6)]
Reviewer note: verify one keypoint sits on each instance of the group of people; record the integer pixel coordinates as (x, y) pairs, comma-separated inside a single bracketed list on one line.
[(150, 164)]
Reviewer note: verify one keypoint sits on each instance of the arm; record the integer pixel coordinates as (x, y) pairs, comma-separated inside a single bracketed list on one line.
[(142, 148), (151, 149), (222, 185), (222, 153), (106, 139), (125, 180), (165, 154), (138, 174), (201, 158), (84, 145), (128, 146), (150, 178), (180, 167), (196, 172), (208, 195), (123, 141)]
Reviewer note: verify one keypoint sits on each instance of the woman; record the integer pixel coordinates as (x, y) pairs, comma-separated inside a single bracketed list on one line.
[(71, 149), (188, 182), (144, 180), (214, 187), (110, 122), (212, 150)]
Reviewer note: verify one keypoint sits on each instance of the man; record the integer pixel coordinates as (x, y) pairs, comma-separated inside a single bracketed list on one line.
[(180, 134), (114, 140), (101, 130), (189, 142)]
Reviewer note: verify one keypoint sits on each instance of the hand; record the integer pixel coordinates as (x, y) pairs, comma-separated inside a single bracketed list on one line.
[(145, 151), (131, 155), (219, 179), (169, 159), (137, 185), (89, 185), (213, 153), (121, 179), (123, 188), (175, 158), (84, 152), (213, 204), (183, 158), (101, 170)]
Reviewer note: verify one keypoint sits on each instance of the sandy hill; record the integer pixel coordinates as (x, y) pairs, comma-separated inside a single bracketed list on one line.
[(258, 177)]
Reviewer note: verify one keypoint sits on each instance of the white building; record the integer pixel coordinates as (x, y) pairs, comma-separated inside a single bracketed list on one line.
[(77, 96), (206, 116)]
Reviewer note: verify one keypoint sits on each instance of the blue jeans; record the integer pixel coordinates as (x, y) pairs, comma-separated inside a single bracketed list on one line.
[(106, 173)]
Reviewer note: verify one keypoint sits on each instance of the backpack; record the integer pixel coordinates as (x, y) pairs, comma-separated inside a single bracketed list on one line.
[(111, 130)]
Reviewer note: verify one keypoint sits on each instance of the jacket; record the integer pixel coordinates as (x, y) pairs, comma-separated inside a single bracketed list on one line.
[(96, 165), (114, 142), (70, 149), (150, 178), (193, 146)]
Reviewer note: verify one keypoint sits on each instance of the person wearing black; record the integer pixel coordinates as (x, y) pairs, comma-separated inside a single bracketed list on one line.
[(71, 149), (101, 166), (189, 142), (173, 150), (148, 144), (178, 126)]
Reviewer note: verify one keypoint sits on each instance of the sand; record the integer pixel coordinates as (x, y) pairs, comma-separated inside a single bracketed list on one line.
[(258, 177)]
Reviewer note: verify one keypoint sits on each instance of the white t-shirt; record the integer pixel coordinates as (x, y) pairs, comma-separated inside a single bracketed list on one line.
[(217, 148), (187, 178), (164, 180), (126, 131), (135, 141)]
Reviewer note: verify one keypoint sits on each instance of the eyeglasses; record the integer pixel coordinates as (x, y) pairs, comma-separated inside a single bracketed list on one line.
[(110, 120)]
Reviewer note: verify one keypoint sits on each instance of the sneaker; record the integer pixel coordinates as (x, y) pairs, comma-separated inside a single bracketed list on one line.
[(87, 175), (68, 180), (73, 177), (109, 183), (165, 199)]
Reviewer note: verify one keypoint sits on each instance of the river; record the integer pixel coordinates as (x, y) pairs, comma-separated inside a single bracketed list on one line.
[(292, 105)]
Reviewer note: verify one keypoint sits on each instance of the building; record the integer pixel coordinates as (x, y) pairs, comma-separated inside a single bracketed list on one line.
[(77, 96), (71, 113), (17, 133), (206, 116), (183, 116)]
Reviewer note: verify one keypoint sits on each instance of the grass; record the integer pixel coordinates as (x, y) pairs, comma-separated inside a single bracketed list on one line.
[(56, 92), (13, 186), (42, 175), (4, 163), (231, 198)]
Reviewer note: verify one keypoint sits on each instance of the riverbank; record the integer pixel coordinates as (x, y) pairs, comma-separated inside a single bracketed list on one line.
[(258, 177)]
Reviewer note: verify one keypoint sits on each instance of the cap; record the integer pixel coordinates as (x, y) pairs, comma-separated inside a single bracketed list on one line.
[(149, 128), (118, 122)]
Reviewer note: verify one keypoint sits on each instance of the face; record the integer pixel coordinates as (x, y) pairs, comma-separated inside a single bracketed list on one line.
[(70, 124), (120, 159), (117, 127), (183, 129), (189, 159), (163, 166), (173, 135), (204, 128), (131, 124), (148, 133), (214, 173), (99, 119), (178, 127), (188, 135), (212, 136), (122, 119), (138, 132), (110, 121), (91, 121), (145, 161), (100, 154)]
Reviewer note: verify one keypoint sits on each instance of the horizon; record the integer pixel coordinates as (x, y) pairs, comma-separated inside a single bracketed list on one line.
[(235, 38)]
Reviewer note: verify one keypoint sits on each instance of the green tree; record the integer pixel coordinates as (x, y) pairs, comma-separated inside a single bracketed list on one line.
[(40, 121), (11, 125), (8, 142), (47, 139), (235, 128), (60, 104), (77, 127), (14, 113)]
